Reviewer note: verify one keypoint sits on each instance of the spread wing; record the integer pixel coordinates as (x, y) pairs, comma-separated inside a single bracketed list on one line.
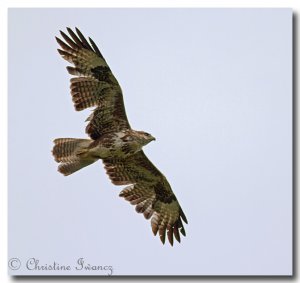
[(94, 85), (150, 191)]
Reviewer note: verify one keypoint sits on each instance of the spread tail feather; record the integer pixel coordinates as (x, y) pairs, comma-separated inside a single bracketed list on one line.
[(71, 167), (72, 154)]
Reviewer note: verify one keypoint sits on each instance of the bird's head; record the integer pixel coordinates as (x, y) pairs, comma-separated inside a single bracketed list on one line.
[(145, 137)]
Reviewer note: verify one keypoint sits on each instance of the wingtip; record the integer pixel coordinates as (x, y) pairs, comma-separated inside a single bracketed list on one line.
[(183, 216), (163, 240), (61, 52), (63, 34), (77, 30), (182, 231), (154, 230)]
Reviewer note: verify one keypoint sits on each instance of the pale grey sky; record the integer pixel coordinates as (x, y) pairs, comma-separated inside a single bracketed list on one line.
[(214, 86)]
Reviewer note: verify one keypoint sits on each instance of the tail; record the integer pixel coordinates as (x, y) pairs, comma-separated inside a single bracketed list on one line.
[(72, 154)]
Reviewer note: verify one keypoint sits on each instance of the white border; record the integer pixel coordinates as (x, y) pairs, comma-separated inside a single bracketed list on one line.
[(154, 3), (5, 4)]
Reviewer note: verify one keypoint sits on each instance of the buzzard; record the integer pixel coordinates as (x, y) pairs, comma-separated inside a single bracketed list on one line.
[(113, 140)]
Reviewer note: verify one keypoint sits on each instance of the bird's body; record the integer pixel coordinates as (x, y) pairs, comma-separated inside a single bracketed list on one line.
[(113, 140), (119, 145)]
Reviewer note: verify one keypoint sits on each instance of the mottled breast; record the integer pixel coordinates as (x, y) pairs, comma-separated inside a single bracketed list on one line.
[(115, 145)]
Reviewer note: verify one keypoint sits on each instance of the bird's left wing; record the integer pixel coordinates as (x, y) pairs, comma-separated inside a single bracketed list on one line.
[(93, 85), (150, 191)]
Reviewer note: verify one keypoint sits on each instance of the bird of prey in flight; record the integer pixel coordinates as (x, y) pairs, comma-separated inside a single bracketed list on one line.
[(113, 140)]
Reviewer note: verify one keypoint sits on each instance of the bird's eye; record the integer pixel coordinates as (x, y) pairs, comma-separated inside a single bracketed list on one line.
[(147, 134)]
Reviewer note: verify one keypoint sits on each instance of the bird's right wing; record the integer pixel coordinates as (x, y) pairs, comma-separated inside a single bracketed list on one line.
[(150, 191), (94, 85)]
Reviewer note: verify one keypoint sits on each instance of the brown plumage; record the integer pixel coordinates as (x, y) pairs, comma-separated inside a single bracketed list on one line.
[(113, 140)]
